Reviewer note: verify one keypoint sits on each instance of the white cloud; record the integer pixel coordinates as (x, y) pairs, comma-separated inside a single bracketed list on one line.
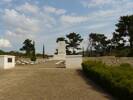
[(129, 5), (4, 43), (98, 16), (97, 26), (94, 3), (50, 9), (7, 1), (112, 4), (26, 8), (73, 19), (19, 24)]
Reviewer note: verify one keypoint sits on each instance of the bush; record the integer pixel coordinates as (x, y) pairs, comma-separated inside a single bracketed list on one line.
[(126, 65), (33, 58), (118, 80), (125, 52)]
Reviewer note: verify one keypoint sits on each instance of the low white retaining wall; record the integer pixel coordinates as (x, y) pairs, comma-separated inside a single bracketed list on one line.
[(59, 57), (7, 61), (74, 61)]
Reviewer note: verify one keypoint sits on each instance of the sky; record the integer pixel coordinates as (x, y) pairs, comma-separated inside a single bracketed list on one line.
[(45, 20)]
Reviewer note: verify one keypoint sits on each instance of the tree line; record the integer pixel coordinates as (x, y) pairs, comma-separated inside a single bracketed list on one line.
[(121, 43), (72, 40)]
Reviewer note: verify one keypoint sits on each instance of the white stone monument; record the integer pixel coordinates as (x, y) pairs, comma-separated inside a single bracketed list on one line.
[(71, 61), (7, 61), (61, 51)]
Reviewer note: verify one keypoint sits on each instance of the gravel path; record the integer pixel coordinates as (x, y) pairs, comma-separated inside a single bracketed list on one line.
[(46, 82)]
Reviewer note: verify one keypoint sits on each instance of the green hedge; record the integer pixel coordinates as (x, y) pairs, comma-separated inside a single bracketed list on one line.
[(118, 80)]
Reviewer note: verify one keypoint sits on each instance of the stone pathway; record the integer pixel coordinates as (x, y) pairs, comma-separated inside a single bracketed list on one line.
[(46, 82)]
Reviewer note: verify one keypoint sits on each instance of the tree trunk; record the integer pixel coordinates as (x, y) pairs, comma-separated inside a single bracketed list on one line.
[(73, 50), (131, 43)]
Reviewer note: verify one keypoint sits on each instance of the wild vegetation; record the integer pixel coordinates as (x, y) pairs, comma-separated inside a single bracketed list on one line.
[(118, 80), (16, 53)]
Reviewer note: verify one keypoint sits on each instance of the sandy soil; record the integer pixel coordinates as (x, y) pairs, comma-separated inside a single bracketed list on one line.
[(47, 82)]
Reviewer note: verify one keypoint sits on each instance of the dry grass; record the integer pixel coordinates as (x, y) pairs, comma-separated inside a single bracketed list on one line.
[(111, 60)]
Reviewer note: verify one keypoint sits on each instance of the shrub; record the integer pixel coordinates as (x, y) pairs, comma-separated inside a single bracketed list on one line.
[(118, 80), (125, 65)]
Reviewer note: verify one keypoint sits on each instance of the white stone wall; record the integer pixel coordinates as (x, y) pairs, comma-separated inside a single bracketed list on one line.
[(74, 61), (59, 57), (1, 61), (4, 64)]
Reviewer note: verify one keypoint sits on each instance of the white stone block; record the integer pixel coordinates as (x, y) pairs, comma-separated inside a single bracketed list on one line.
[(74, 61), (7, 61)]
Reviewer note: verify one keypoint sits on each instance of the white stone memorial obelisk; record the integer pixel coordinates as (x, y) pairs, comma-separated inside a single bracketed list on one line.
[(71, 61), (61, 48), (61, 55)]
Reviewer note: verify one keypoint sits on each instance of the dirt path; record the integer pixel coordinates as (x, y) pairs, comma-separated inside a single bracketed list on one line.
[(43, 83)]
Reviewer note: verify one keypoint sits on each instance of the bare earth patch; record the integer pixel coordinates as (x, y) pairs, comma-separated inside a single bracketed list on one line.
[(46, 82)]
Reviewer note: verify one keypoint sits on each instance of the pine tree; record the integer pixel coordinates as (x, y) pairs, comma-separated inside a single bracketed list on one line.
[(33, 57), (43, 51), (73, 42), (28, 46)]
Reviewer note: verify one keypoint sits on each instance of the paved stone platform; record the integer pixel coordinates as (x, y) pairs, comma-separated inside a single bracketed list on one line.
[(47, 82)]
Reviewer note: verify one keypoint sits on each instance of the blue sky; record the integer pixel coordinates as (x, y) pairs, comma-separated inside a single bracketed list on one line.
[(45, 20)]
